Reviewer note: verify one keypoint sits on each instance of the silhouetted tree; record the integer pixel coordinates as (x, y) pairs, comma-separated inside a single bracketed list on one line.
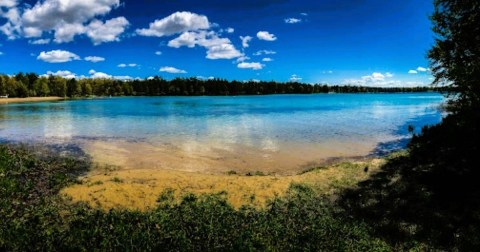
[(456, 54)]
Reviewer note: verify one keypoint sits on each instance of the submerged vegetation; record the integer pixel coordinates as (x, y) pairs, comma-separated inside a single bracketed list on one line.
[(30, 84)]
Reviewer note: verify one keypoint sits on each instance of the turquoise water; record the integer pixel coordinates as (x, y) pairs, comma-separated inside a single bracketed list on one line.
[(264, 122)]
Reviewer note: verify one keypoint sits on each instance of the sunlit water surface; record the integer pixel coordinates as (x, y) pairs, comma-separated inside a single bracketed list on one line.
[(323, 125)]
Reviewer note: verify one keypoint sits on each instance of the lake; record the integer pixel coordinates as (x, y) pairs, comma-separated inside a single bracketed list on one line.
[(280, 134)]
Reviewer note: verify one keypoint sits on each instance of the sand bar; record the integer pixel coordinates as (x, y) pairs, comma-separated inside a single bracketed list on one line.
[(30, 99)]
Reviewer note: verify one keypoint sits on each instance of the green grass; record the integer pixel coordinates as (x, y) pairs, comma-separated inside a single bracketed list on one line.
[(34, 217)]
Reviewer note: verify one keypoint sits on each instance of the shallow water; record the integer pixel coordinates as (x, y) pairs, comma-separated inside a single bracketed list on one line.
[(282, 133)]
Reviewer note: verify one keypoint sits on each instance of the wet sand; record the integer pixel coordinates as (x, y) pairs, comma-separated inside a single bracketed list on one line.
[(133, 175), (282, 159), (30, 99)]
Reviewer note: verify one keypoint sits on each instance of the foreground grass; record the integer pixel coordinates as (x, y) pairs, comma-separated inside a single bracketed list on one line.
[(34, 217), (139, 189)]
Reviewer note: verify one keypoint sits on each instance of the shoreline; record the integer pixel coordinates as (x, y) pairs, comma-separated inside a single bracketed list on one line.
[(30, 99)]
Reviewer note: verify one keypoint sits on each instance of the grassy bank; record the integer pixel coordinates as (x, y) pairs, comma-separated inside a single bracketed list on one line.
[(34, 217)]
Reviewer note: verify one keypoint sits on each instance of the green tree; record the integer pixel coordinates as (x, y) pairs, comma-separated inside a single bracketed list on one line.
[(455, 58), (40, 87)]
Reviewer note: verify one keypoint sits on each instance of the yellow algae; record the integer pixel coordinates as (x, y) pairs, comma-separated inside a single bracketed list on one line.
[(139, 189)]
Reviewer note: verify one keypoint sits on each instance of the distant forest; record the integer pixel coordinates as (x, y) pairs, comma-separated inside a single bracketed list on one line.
[(30, 84)]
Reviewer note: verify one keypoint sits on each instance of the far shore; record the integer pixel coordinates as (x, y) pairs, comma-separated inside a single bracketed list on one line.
[(30, 99)]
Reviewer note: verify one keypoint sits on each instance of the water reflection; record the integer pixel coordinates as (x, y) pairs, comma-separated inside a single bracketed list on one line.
[(266, 123)]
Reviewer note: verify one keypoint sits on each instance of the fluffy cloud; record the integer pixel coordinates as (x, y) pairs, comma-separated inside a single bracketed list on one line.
[(295, 78), (264, 52), (250, 65), (67, 19), (62, 73), (292, 20), (381, 80), (412, 72), (267, 59), (57, 56), (193, 30), (94, 59), (13, 25), (158, 53), (245, 41), (109, 31), (177, 22), (217, 48), (230, 30), (422, 69), (223, 51), (172, 70), (100, 75), (8, 3), (264, 35)]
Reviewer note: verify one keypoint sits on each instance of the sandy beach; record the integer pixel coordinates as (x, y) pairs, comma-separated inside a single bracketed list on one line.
[(30, 99)]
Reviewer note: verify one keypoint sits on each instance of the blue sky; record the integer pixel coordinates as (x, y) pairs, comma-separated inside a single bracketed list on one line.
[(360, 42)]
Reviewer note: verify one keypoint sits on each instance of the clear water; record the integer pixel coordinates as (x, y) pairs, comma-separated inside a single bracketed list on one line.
[(264, 122)]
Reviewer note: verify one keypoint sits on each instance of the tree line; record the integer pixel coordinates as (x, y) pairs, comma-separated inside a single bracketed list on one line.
[(31, 85)]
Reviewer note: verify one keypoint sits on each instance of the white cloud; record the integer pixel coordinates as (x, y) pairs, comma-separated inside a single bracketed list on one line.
[(267, 59), (177, 22), (94, 59), (123, 65), (217, 48), (8, 3), (101, 75), (193, 30), (242, 58), (292, 20), (223, 51), (304, 14), (250, 65), (62, 73), (295, 78), (412, 72), (381, 80), (264, 52), (67, 19), (245, 41), (57, 56), (172, 70), (109, 31), (230, 30), (12, 27), (98, 75), (421, 69), (158, 53), (265, 35), (39, 42)]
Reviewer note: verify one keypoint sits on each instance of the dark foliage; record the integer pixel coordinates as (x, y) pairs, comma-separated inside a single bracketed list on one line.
[(31, 85), (456, 54)]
